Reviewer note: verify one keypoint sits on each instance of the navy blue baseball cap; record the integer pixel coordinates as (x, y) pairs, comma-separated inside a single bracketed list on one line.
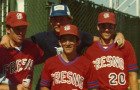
[(60, 10)]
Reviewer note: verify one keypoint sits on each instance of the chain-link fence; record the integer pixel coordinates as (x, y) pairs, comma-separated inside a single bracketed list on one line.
[(84, 14)]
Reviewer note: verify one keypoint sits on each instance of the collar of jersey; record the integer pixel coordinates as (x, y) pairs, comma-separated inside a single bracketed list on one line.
[(18, 48)]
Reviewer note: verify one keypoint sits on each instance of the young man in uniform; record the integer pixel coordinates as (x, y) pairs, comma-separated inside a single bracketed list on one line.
[(68, 70), (48, 41), (115, 67), (17, 64)]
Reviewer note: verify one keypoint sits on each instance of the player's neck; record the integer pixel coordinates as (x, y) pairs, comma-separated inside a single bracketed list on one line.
[(69, 57), (17, 44), (106, 42)]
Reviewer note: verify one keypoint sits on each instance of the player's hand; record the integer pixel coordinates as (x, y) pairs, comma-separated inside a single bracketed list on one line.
[(95, 38), (119, 39), (21, 87), (7, 42)]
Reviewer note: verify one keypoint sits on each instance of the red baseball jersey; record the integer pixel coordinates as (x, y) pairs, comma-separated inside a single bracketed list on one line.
[(112, 64), (18, 65), (78, 74)]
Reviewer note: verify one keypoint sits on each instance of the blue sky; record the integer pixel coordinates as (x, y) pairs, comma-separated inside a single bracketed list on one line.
[(131, 10)]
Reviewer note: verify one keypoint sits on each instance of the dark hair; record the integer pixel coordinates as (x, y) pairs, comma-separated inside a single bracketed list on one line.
[(77, 38)]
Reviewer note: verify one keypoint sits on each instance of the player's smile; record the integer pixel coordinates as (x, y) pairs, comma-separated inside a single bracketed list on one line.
[(106, 35), (68, 42)]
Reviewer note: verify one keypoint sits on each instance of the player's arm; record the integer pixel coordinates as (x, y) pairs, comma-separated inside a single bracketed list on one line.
[(7, 42), (12, 87), (44, 88), (4, 87), (133, 81), (46, 80), (91, 77), (132, 65)]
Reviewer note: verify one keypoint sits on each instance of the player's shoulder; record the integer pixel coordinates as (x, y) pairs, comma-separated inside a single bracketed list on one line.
[(83, 59), (40, 33), (45, 33), (94, 44), (29, 44), (83, 63), (52, 59), (2, 48), (127, 43), (127, 46)]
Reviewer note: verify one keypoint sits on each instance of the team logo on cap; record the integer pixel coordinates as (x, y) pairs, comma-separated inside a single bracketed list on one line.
[(19, 16), (59, 7), (106, 15), (66, 28)]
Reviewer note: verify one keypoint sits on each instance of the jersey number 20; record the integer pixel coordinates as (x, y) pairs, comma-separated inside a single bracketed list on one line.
[(117, 79)]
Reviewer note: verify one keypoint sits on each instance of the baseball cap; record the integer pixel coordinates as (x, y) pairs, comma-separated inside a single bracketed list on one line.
[(106, 17), (15, 19), (69, 29), (60, 10)]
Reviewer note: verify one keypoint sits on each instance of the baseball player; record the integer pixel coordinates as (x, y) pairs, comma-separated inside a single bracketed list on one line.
[(48, 41), (17, 64), (68, 71), (115, 67)]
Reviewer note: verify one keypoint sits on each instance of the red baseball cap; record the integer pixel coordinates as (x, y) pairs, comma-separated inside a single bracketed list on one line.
[(69, 29), (15, 19), (106, 17)]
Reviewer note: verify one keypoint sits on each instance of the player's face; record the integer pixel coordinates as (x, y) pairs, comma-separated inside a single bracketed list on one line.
[(106, 30), (69, 43), (17, 34), (58, 21)]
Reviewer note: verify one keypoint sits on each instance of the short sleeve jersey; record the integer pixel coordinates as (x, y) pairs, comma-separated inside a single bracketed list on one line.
[(112, 64), (18, 65), (78, 74)]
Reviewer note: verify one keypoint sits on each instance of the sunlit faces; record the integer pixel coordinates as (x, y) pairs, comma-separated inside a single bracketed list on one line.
[(106, 30), (69, 43), (17, 33)]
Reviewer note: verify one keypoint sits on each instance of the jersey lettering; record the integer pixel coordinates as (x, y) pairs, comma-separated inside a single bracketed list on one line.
[(68, 77), (18, 66), (117, 79), (109, 61)]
